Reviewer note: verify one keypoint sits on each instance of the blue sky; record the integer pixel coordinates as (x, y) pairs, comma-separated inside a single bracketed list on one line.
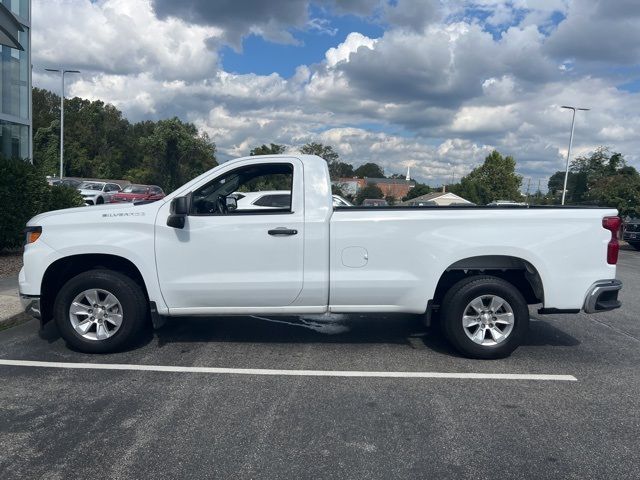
[(264, 57)]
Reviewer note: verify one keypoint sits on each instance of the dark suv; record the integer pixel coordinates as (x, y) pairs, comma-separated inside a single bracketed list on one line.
[(631, 233)]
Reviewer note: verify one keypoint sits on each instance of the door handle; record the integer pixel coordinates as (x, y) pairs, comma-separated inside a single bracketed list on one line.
[(281, 231)]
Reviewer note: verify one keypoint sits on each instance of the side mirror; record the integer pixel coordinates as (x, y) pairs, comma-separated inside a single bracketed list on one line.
[(232, 203), (179, 211)]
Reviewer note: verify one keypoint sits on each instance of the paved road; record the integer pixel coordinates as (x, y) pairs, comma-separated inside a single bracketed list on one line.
[(60, 423)]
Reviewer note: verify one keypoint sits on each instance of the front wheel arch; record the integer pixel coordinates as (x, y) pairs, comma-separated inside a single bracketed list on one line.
[(60, 271)]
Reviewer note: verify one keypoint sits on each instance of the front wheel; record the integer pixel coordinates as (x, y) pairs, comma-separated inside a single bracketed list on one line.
[(484, 317), (100, 311)]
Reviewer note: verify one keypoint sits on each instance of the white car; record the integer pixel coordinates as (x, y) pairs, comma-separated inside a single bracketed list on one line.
[(266, 199), (339, 201), (271, 199), (97, 193), (195, 253)]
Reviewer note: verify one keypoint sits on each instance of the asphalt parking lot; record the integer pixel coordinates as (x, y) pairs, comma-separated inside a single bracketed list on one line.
[(132, 423)]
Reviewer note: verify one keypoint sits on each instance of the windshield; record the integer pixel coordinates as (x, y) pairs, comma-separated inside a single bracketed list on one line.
[(91, 186), (135, 189)]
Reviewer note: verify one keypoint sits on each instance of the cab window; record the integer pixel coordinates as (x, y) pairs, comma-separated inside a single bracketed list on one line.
[(237, 192)]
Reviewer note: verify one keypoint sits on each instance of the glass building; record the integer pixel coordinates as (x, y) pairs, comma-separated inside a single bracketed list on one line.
[(15, 79)]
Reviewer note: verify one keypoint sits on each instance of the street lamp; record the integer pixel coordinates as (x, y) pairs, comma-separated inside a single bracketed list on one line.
[(62, 72), (566, 172)]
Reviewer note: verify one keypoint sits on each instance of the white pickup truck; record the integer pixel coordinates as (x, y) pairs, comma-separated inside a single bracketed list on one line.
[(105, 272)]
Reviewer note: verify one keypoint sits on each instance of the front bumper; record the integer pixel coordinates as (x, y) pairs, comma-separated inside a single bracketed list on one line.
[(31, 305), (603, 296)]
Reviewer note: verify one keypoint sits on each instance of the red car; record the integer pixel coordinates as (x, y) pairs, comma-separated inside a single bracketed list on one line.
[(138, 193)]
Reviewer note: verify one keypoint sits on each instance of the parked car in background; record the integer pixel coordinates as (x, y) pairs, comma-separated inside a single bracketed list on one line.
[(65, 182), (138, 193), (267, 199), (631, 233), (374, 202), (339, 201), (270, 199), (96, 193), (506, 203)]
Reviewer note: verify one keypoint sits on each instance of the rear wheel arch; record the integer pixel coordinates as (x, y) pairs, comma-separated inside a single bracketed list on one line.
[(519, 272), (62, 270)]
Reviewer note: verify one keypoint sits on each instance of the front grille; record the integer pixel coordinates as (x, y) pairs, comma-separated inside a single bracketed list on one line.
[(632, 227)]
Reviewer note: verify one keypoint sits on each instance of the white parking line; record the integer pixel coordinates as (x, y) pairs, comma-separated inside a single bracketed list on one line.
[(275, 372)]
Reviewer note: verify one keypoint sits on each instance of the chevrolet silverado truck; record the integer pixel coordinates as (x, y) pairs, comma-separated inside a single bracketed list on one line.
[(104, 273)]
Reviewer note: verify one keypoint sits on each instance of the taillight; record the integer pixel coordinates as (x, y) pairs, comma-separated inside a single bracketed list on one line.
[(613, 225)]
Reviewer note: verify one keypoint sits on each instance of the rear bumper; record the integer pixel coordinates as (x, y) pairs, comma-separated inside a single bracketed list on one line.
[(603, 296)]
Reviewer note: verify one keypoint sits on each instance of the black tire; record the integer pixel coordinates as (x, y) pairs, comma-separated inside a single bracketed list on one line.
[(99, 201), (126, 290), (453, 308), (635, 245)]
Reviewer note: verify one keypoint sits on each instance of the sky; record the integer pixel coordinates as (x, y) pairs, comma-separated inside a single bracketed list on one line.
[(432, 85)]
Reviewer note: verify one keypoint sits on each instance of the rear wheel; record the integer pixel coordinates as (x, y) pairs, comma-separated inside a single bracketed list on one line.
[(100, 311), (484, 317), (99, 201)]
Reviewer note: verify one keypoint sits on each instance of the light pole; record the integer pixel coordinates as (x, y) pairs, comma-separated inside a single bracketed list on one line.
[(62, 72), (573, 122)]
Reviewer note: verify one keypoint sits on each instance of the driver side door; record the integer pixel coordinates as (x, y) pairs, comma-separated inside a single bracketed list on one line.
[(234, 261)]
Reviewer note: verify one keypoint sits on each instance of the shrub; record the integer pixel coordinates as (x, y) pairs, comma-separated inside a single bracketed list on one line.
[(24, 193), (63, 197)]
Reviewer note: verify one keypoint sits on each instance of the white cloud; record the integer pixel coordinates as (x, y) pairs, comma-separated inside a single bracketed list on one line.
[(437, 91), (352, 43), (120, 37)]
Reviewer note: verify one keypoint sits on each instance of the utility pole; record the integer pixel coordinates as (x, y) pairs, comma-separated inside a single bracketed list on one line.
[(62, 72), (573, 121)]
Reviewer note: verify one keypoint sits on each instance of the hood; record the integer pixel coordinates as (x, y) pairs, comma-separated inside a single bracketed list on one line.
[(87, 210)]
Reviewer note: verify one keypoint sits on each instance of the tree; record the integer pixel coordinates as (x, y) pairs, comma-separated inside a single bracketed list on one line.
[(101, 143), (46, 147), (173, 154), (323, 151), (494, 180), (620, 190), (370, 191), (340, 170), (585, 172), (337, 169), (45, 107), (417, 191), (271, 149), (370, 170)]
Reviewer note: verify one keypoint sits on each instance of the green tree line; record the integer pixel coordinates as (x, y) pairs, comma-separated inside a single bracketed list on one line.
[(100, 143)]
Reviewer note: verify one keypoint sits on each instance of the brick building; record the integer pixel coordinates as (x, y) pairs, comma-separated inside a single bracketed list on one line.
[(391, 187)]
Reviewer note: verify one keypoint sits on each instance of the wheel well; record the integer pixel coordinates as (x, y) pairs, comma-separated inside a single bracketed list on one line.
[(514, 270), (60, 271)]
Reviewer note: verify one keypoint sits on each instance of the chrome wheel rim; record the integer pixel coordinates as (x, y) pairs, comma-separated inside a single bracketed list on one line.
[(95, 314), (488, 320)]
